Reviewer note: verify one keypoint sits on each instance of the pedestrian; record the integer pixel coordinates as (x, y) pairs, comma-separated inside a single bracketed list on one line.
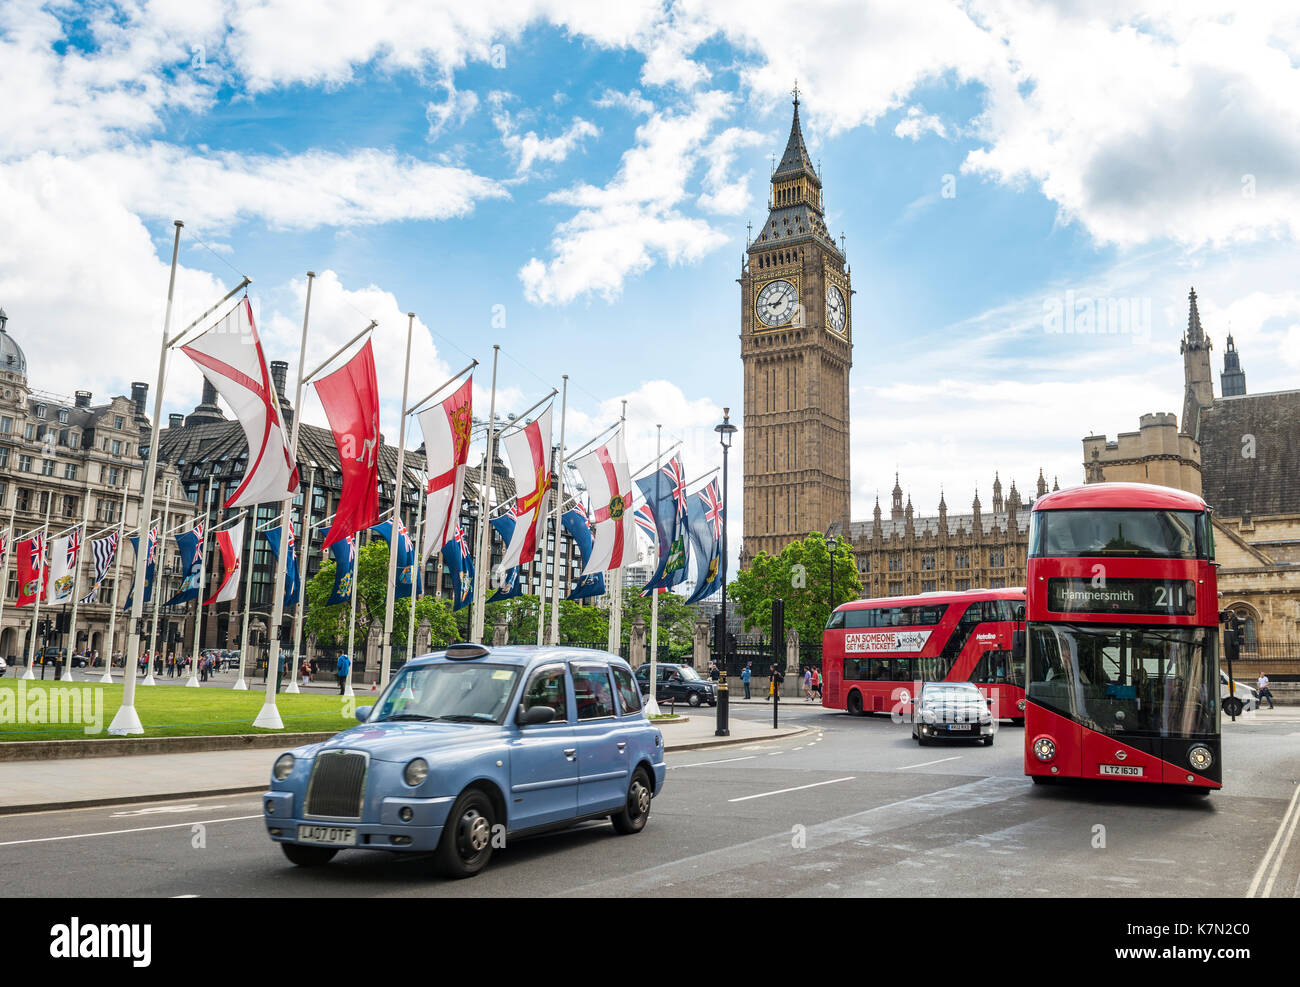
[(817, 685), (807, 685), (775, 678), (305, 671), (744, 678), (341, 671), (1264, 693), (279, 674)]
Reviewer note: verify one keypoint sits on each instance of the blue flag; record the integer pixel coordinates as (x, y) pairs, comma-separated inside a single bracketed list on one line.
[(456, 557), (406, 567), (150, 565), (511, 587), (665, 493), (705, 522), (191, 546), (291, 581), (344, 554), (575, 523)]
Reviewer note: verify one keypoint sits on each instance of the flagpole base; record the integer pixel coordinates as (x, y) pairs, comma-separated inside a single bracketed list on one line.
[(148, 680), (293, 687), (240, 685), (126, 721), (29, 675), (106, 679), (652, 707), (192, 682), (347, 689), (269, 718)]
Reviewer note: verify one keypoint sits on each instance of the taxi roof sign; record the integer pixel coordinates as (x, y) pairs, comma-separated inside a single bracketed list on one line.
[(465, 652)]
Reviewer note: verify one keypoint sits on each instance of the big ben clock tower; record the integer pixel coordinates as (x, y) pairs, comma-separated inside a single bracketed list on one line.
[(796, 344)]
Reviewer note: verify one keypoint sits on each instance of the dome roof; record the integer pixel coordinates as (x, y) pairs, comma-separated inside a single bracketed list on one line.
[(11, 354)]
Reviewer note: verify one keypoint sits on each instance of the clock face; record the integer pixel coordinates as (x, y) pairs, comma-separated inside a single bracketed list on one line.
[(776, 303), (836, 311)]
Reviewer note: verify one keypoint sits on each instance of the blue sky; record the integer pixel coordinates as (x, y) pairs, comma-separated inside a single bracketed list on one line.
[(584, 173)]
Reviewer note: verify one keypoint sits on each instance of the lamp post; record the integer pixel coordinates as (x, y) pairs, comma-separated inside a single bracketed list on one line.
[(725, 432)]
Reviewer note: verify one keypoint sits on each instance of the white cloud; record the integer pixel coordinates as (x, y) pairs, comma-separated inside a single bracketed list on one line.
[(724, 194), (917, 122), (632, 101), (452, 112), (528, 148)]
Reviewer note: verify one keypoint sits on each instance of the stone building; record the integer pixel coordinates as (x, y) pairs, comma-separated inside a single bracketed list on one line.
[(1156, 453)]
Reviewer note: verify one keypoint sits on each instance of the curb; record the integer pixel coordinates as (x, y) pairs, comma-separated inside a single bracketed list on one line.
[(53, 750), (15, 810), (781, 733)]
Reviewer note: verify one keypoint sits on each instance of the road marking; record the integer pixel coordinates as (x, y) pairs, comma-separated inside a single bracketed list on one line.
[(190, 807), (184, 896), (725, 760), (141, 829), (775, 753), (1278, 846), (926, 764), (800, 788)]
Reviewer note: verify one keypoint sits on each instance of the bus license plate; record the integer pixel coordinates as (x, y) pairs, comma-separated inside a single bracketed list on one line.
[(1128, 771), (329, 835), (958, 726)]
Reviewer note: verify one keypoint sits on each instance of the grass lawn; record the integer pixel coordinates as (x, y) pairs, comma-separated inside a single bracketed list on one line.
[(26, 711)]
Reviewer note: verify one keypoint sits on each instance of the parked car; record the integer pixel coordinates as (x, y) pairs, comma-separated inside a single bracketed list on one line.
[(59, 656), (469, 747), (951, 711), (1236, 695), (681, 683)]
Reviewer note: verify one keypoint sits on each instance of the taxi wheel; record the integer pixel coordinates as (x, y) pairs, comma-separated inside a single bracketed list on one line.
[(308, 856), (636, 810), (694, 699), (988, 741), (466, 844)]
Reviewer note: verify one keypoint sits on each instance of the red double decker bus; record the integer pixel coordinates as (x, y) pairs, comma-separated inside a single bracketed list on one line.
[(1122, 637), (875, 652)]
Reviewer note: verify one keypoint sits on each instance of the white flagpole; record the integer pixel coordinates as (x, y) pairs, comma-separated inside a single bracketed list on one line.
[(652, 707), (559, 509), (394, 540), (107, 677), (127, 720), (76, 587), (40, 590), (193, 681), (480, 571), (240, 685), (417, 568), (4, 563), (158, 588), (268, 718), (352, 613), (304, 551), (616, 608)]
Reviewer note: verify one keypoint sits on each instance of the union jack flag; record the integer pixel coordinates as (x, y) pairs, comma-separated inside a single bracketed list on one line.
[(713, 508), (4, 547), (38, 552), (645, 520), (74, 547), (153, 545), (461, 541), (676, 472)]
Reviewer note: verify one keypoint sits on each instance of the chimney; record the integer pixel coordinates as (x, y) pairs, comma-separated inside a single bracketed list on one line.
[(139, 392), (83, 399), (209, 392), (279, 374), (175, 420)]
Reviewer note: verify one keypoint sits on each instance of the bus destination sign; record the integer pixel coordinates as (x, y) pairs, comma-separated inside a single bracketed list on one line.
[(1166, 597)]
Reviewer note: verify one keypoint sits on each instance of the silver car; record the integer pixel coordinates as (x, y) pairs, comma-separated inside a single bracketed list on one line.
[(951, 711)]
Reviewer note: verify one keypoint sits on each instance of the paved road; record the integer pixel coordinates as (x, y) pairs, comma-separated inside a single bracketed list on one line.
[(852, 808)]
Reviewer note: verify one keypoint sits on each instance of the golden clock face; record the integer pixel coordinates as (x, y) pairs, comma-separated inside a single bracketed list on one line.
[(837, 312), (776, 303)]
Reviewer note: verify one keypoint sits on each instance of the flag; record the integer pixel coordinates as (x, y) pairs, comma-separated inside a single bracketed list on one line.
[(64, 553), (31, 569), (345, 560), (457, 558), (4, 548), (406, 567), (529, 450), (151, 558), (103, 550), (665, 495), (351, 399), (575, 523), (645, 520), (230, 356), (705, 522), (609, 485), (291, 567), (191, 546), (230, 546), (508, 585), (446, 429)]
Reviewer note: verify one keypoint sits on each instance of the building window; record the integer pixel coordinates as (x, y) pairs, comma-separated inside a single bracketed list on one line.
[(896, 563), (24, 499), (41, 411), (119, 421), (44, 501), (896, 589), (962, 585), (117, 447), (927, 560), (997, 558), (69, 471), (29, 432), (4, 457), (47, 467), (6, 426), (24, 464), (927, 585), (63, 416), (997, 584), (69, 506), (961, 560)]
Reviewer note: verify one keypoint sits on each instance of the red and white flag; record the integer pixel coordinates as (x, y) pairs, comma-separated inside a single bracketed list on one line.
[(64, 554), (609, 484), (446, 427), (529, 450), (230, 543), (30, 560), (230, 356), (351, 399)]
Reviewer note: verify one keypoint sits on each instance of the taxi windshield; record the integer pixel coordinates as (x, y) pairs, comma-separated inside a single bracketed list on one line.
[(688, 673), (449, 692)]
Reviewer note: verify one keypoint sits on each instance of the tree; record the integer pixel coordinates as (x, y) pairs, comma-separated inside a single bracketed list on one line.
[(583, 625), (800, 576), (676, 620)]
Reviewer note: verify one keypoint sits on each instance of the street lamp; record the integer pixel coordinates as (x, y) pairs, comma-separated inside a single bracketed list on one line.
[(725, 431)]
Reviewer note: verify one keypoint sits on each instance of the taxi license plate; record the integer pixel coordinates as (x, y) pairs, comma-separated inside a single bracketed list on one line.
[(329, 835), (958, 726), (1128, 771)]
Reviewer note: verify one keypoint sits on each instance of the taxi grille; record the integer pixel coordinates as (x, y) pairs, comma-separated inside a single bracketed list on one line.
[(338, 783)]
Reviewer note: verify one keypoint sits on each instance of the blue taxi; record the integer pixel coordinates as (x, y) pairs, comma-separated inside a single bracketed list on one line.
[(470, 746)]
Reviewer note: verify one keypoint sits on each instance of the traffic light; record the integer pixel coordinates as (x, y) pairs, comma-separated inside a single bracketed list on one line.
[(1233, 634)]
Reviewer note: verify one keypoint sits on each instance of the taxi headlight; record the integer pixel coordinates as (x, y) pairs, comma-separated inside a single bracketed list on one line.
[(416, 771), (927, 714), (283, 767), (1044, 748), (1200, 757)]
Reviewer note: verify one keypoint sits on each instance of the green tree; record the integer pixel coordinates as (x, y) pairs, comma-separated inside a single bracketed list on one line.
[(583, 625), (676, 620), (800, 576)]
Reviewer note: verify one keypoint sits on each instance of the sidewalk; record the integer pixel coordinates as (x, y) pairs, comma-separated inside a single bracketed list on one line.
[(30, 786)]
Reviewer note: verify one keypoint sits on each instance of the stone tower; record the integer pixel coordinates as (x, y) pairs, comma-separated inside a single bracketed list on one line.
[(1195, 348), (796, 344), (1233, 379)]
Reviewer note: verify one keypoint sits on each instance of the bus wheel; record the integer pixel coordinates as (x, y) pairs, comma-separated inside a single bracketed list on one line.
[(855, 704)]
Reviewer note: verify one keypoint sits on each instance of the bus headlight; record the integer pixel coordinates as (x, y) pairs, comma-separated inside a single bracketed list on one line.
[(283, 767), (1200, 757), (1020, 705), (1044, 748), (416, 771)]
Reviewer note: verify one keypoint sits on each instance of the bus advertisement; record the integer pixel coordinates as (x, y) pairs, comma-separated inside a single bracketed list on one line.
[(1121, 641), (875, 653)]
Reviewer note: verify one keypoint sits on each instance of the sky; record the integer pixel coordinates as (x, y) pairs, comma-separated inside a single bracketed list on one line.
[(572, 181)]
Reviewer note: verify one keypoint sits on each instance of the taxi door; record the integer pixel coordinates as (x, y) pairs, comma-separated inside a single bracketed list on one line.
[(602, 740), (544, 756)]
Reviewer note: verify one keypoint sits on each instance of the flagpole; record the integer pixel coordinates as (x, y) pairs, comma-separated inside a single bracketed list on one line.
[(193, 681), (555, 523), (304, 552), (76, 589), (268, 718), (156, 592), (616, 610), (126, 720), (40, 589), (394, 542), (240, 685), (107, 677), (352, 612), (652, 707), (4, 558), (476, 623), (417, 566)]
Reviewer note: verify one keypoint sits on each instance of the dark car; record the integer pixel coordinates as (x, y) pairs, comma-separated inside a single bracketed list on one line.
[(59, 656), (680, 683), (951, 711)]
